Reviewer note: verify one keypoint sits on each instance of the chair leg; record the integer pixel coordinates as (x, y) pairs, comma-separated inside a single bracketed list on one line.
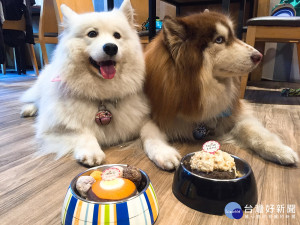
[(18, 59), (41, 57), (298, 51), (33, 59), (244, 80), (44, 53), (256, 74), (15, 59), (250, 40), (3, 68)]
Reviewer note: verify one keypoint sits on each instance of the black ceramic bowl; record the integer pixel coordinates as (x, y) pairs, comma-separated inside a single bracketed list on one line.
[(212, 195)]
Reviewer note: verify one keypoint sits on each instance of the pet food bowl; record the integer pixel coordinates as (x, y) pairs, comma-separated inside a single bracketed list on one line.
[(139, 209), (212, 195)]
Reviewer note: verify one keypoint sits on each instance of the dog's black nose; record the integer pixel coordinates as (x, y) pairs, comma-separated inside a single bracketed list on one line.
[(256, 57), (110, 49)]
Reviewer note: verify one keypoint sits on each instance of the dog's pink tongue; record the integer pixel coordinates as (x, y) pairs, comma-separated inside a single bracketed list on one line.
[(108, 70)]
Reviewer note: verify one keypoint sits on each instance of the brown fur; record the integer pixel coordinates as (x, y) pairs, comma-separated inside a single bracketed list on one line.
[(193, 76), (174, 84)]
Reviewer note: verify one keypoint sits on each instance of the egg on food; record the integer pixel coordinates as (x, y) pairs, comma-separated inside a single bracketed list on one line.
[(113, 190)]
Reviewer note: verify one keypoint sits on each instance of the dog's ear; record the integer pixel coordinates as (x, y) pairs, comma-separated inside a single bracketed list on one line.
[(128, 11), (67, 13), (174, 34)]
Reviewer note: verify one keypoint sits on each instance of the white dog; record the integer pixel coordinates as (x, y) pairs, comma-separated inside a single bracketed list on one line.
[(91, 94)]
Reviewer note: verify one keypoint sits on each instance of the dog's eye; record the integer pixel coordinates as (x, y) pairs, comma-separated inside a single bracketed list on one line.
[(92, 34), (220, 40), (117, 35)]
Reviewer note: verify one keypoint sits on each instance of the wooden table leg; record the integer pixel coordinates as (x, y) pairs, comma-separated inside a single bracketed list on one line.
[(33, 58), (298, 51)]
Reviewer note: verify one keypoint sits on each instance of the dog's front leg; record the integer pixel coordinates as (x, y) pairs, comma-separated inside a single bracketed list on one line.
[(157, 148), (251, 134), (84, 146), (88, 150)]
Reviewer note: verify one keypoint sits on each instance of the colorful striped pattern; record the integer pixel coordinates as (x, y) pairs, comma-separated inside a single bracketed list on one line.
[(140, 210)]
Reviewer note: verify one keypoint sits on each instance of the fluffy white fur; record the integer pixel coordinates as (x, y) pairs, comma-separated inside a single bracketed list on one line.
[(67, 108)]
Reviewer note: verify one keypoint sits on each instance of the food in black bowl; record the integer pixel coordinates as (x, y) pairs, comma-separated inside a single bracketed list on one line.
[(217, 165), (200, 183)]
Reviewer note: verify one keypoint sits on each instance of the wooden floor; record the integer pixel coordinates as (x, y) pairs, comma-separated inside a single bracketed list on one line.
[(32, 189)]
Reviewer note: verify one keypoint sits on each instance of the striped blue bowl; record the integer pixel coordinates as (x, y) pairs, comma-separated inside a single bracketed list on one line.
[(140, 209)]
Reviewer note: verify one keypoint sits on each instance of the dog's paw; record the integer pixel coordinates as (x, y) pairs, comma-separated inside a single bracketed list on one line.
[(28, 110), (166, 158), (89, 157), (282, 154)]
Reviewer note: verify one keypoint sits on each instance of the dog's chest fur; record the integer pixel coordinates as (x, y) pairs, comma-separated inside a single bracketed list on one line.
[(218, 95), (214, 105), (73, 114)]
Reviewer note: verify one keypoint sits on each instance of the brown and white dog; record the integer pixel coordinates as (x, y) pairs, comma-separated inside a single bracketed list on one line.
[(193, 77)]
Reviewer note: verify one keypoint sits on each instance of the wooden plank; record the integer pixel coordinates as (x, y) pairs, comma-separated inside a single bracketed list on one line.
[(274, 33), (14, 24), (244, 80)]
